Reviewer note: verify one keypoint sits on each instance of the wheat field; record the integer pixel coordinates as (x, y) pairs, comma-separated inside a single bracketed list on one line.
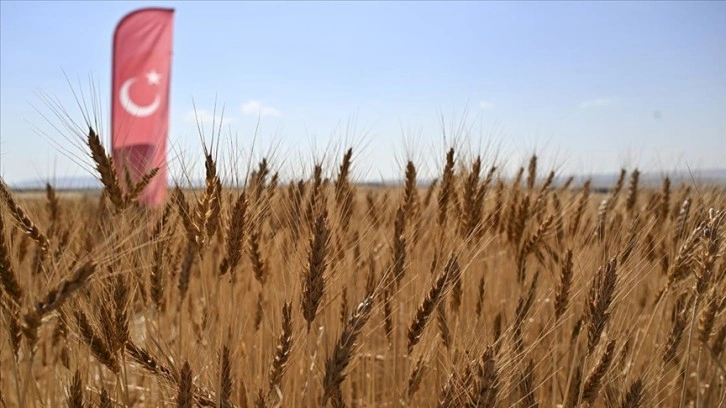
[(476, 290)]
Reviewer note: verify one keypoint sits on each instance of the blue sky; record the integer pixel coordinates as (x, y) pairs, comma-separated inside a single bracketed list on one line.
[(591, 87)]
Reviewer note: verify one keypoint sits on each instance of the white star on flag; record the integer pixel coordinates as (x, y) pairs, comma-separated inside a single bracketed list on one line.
[(153, 77)]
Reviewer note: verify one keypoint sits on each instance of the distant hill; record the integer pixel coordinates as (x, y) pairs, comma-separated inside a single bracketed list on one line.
[(59, 183), (598, 181), (606, 181)]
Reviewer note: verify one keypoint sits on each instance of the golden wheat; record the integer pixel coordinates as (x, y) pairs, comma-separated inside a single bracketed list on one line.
[(545, 291)]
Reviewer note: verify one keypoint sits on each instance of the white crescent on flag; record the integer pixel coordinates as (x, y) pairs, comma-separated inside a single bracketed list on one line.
[(130, 106)]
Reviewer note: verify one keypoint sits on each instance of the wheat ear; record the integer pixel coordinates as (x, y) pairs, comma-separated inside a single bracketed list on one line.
[(426, 308), (337, 363)]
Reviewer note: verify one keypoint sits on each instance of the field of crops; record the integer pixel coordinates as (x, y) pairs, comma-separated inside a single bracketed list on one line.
[(474, 291)]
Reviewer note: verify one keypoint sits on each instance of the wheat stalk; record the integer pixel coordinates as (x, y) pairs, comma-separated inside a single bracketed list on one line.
[(337, 363)]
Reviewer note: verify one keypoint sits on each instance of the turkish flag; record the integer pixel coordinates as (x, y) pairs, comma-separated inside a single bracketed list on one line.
[(142, 47)]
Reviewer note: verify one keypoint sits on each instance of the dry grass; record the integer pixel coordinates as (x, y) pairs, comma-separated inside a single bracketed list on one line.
[(475, 291)]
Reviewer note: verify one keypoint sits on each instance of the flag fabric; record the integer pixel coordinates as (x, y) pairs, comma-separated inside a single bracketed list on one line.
[(142, 49)]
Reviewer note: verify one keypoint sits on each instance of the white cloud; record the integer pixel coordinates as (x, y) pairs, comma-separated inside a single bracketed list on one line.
[(256, 108), (205, 117), (596, 103), (485, 105)]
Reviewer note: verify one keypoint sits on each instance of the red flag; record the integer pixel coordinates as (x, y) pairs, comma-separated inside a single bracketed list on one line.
[(142, 47)]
